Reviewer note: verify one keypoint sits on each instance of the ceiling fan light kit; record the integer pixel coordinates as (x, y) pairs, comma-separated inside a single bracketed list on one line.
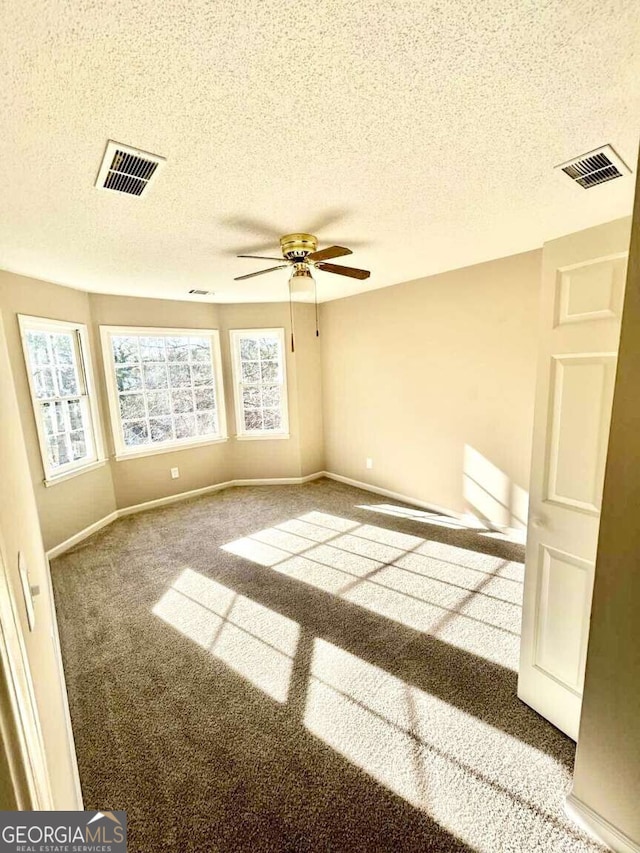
[(300, 251)]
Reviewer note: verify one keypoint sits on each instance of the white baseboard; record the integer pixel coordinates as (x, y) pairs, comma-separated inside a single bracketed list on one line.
[(467, 519), (270, 481), (280, 481), (80, 535), (396, 496), (170, 499), (599, 827)]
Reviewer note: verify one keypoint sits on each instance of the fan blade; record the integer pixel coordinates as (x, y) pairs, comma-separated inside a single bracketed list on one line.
[(350, 271), (260, 257), (260, 272), (328, 253)]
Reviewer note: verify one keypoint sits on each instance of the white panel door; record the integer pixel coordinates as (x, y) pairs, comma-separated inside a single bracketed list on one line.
[(583, 280)]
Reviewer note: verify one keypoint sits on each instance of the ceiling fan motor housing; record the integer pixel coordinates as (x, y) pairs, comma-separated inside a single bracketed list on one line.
[(297, 246)]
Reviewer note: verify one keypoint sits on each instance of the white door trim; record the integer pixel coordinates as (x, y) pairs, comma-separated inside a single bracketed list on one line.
[(29, 759)]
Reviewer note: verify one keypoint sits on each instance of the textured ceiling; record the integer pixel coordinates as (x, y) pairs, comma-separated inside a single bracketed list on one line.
[(422, 134)]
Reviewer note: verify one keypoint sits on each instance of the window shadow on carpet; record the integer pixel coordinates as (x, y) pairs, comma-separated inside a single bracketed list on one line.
[(273, 680)]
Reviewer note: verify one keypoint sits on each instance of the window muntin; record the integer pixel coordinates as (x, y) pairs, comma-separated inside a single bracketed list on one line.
[(259, 382), (56, 359), (165, 387)]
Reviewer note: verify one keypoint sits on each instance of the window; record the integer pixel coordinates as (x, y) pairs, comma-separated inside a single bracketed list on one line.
[(62, 391), (164, 388), (260, 387)]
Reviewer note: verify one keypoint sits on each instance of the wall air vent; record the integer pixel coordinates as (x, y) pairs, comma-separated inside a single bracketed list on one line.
[(595, 167), (127, 170), (202, 292)]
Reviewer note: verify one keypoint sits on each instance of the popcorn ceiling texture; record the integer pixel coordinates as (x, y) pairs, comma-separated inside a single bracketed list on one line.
[(422, 134)]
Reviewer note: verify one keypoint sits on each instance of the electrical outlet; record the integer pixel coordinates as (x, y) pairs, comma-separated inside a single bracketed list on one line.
[(369, 462), (175, 473)]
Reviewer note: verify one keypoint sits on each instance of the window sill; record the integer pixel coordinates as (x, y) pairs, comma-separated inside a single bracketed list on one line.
[(267, 437), (53, 481), (174, 448)]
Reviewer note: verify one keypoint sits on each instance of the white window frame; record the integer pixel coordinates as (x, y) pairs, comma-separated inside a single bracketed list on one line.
[(123, 451), (242, 434), (52, 476)]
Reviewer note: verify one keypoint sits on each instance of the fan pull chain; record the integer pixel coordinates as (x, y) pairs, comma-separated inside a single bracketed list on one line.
[(315, 296), (293, 349)]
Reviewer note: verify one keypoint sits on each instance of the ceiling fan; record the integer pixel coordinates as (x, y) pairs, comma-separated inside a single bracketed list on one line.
[(300, 251)]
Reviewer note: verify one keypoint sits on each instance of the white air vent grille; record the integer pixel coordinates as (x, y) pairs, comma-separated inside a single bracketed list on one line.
[(595, 167), (127, 170)]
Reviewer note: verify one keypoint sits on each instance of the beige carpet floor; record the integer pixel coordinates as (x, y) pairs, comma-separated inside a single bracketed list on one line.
[(307, 668)]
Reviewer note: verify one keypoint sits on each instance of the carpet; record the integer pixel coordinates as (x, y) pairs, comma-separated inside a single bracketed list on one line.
[(307, 668)]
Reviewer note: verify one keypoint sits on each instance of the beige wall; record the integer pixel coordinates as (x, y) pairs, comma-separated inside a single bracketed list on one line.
[(434, 380), (607, 770), (73, 504), (20, 532)]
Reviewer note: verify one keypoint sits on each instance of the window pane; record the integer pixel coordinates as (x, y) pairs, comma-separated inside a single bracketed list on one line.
[(58, 452), (44, 382), (185, 426), (271, 418), (207, 423), (269, 371), (269, 348), (161, 429), (62, 348), (78, 445), (202, 374), (251, 371), (159, 402), (271, 395), (200, 350), (128, 378), (155, 376), (38, 346), (135, 432), (58, 416), (182, 401), (152, 349), (205, 398), (125, 349), (252, 420), (47, 418), (249, 350), (180, 375), (67, 381), (75, 414), (178, 349), (251, 396), (132, 406)]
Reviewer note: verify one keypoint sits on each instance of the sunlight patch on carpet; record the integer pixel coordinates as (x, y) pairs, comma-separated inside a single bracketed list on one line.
[(468, 599), (253, 640)]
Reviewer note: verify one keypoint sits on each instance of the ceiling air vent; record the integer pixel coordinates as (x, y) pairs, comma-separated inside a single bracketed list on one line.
[(595, 167), (202, 292), (127, 170)]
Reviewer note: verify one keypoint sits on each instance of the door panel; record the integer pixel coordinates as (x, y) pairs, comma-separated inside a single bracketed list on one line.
[(582, 394), (564, 589), (583, 279), (590, 291)]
